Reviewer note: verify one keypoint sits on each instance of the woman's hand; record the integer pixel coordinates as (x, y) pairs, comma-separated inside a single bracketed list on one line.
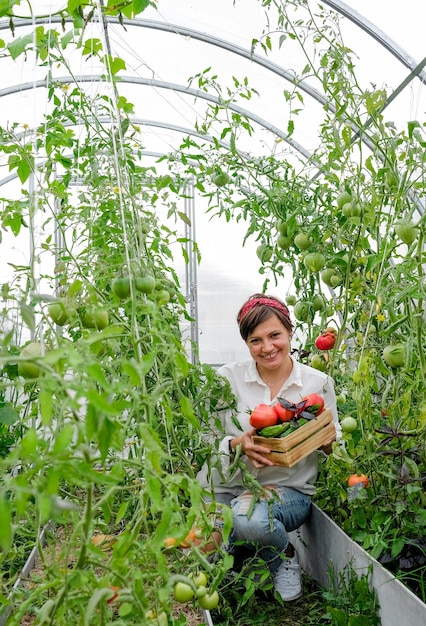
[(254, 452)]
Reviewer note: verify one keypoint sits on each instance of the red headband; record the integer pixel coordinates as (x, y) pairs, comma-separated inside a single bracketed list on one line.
[(250, 304)]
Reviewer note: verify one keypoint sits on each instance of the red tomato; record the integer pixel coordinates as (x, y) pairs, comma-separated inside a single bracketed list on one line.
[(356, 479), (313, 403), (325, 341), (283, 414), (263, 415)]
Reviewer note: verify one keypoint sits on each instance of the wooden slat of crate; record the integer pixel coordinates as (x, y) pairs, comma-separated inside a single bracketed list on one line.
[(289, 450)]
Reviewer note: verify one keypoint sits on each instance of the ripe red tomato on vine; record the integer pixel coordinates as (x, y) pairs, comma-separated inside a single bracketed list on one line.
[(326, 340)]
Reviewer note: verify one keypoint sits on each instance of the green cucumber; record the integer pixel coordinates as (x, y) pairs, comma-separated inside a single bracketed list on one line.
[(273, 431)]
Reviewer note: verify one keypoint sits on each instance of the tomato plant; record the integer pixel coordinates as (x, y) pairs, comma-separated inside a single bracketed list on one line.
[(263, 415)]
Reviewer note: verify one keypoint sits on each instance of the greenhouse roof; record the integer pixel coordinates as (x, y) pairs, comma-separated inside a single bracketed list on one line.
[(177, 60)]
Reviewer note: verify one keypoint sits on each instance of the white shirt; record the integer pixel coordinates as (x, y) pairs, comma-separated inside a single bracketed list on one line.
[(250, 390)]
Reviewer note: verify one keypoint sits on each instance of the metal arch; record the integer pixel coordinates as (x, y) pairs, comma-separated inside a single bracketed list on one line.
[(183, 31), (377, 34), (150, 82)]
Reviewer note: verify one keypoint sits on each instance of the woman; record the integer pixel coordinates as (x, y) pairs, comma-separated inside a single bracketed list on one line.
[(271, 373)]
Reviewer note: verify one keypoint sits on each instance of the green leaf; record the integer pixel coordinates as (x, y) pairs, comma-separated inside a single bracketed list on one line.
[(96, 373), (153, 489), (28, 316), (188, 411), (116, 65), (25, 167), (100, 595), (121, 512), (46, 406), (8, 415), (18, 46), (63, 438)]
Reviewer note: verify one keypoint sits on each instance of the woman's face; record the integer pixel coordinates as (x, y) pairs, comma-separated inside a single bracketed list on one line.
[(269, 343)]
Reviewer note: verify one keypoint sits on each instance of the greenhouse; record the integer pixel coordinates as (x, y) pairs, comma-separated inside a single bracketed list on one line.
[(212, 336)]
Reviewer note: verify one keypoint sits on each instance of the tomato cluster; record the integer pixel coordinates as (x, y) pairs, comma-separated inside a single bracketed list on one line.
[(283, 411)]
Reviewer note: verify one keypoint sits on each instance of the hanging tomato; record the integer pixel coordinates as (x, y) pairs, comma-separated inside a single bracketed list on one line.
[(326, 340)]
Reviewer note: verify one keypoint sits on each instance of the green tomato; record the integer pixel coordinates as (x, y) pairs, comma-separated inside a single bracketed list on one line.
[(318, 362), (343, 198), (318, 302), (303, 241), (284, 242), (162, 297), (29, 369), (96, 319), (209, 601), (349, 424), (336, 280), (394, 355), (220, 179), (264, 252), (282, 227), (61, 312), (326, 275), (406, 231), (183, 592), (314, 261), (200, 579), (291, 300), (302, 310), (121, 287), (145, 284), (340, 399)]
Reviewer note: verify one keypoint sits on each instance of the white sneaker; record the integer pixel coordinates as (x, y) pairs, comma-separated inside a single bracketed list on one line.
[(287, 579)]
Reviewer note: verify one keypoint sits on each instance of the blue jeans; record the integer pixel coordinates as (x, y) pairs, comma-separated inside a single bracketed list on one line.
[(271, 519)]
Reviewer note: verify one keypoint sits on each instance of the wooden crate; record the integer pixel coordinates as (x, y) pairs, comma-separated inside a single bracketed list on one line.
[(287, 451)]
